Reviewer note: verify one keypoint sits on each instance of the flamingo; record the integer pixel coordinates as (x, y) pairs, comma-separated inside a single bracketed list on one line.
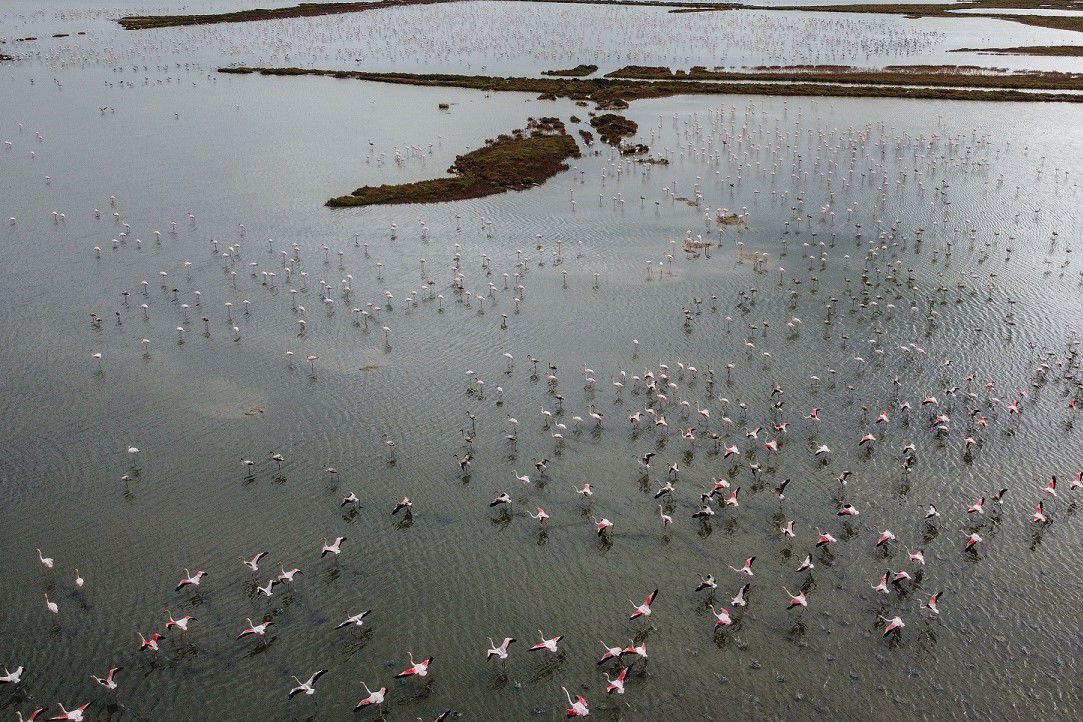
[(10, 677), (46, 562), (972, 539), (796, 600), (547, 644), (499, 651), (253, 563), (893, 625), (577, 707), (308, 687), (149, 643), (333, 548), (706, 582), (356, 620), (610, 653), (189, 579), (747, 568), (616, 684), (181, 624), (108, 680), (374, 697), (644, 609), (258, 630), (416, 669), (73, 715)]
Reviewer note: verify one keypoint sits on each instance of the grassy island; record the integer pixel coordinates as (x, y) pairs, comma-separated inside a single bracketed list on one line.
[(1065, 51), (579, 71), (521, 160), (612, 127), (606, 92)]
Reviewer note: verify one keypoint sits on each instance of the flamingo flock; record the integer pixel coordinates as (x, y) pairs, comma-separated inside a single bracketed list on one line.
[(800, 398)]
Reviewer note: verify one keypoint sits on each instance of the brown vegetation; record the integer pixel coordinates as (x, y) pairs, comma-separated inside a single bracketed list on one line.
[(605, 90), (612, 127), (1045, 50), (579, 71), (518, 161)]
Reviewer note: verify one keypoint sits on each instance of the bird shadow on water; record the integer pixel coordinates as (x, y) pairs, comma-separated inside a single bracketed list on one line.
[(356, 644), (499, 680), (262, 646), (415, 693), (548, 669)]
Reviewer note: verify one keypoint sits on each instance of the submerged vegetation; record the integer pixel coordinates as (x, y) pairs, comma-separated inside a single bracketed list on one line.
[(910, 10), (303, 10), (934, 75), (607, 91), (945, 10), (579, 71), (310, 9), (518, 161)]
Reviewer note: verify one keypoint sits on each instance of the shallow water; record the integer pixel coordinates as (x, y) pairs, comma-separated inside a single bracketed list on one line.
[(266, 153)]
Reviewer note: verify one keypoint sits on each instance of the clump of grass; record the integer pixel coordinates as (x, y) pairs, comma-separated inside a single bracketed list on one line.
[(579, 71), (612, 127), (517, 161)]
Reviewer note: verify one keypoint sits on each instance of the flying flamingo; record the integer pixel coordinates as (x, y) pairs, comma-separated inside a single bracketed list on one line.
[(418, 669), (73, 715), (644, 609), (547, 644), (616, 684), (108, 680), (501, 651), (374, 697), (578, 707), (795, 600)]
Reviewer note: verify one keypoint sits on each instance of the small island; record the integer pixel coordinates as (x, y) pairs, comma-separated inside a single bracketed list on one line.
[(579, 71), (612, 127), (524, 159), (1063, 51)]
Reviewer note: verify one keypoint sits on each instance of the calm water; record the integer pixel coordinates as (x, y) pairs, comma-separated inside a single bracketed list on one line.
[(254, 158)]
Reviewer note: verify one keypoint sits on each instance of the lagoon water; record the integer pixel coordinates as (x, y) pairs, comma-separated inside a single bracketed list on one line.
[(140, 127)]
